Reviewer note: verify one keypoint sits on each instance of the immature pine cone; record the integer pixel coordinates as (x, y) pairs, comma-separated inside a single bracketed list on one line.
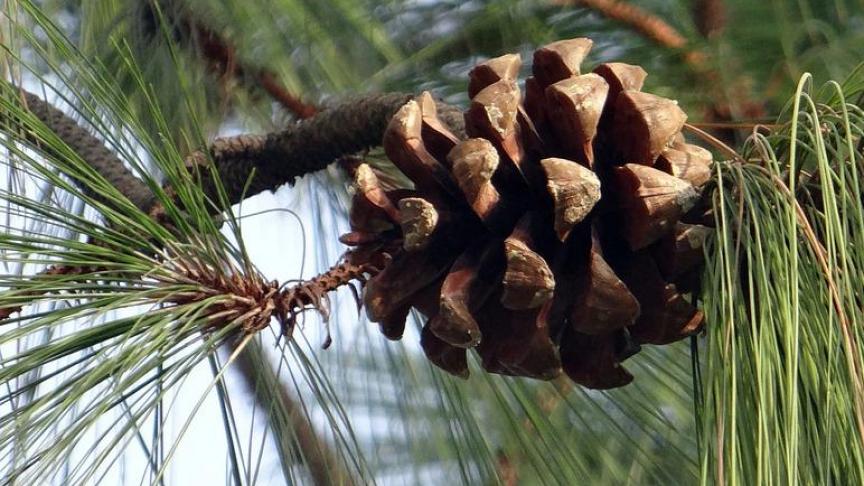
[(553, 239)]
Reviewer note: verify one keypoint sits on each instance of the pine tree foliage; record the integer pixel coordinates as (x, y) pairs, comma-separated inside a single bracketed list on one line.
[(783, 361), (107, 369)]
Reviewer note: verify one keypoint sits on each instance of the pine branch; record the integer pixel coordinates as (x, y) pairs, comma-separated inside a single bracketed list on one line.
[(311, 145), (710, 17), (92, 150), (52, 271), (222, 59), (276, 158), (321, 461), (640, 20)]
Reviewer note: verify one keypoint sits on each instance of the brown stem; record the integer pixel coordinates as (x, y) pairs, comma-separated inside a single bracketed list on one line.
[(642, 21), (221, 57), (312, 294), (294, 104), (710, 17), (53, 270)]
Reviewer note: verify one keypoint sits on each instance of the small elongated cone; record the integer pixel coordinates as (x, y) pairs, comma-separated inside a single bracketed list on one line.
[(493, 114), (490, 72), (445, 356), (575, 105), (528, 281), (404, 146), (560, 60), (439, 140), (603, 302), (474, 162), (591, 361), (463, 293), (666, 315), (574, 189), (419, 221), (644, 125), (688, 162), (682, 250), (651, 202)]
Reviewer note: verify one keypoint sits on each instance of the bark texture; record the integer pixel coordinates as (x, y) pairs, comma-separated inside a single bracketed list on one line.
[(269, 160), (308, 146), (93, 151)]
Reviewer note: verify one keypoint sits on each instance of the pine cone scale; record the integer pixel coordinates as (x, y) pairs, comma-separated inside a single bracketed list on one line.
[(554, 239)]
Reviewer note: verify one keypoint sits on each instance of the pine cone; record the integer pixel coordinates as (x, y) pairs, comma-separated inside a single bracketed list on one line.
[(556, 238)]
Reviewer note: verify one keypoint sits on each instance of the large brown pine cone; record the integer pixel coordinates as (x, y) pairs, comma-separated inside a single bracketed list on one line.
[(555, 238)]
